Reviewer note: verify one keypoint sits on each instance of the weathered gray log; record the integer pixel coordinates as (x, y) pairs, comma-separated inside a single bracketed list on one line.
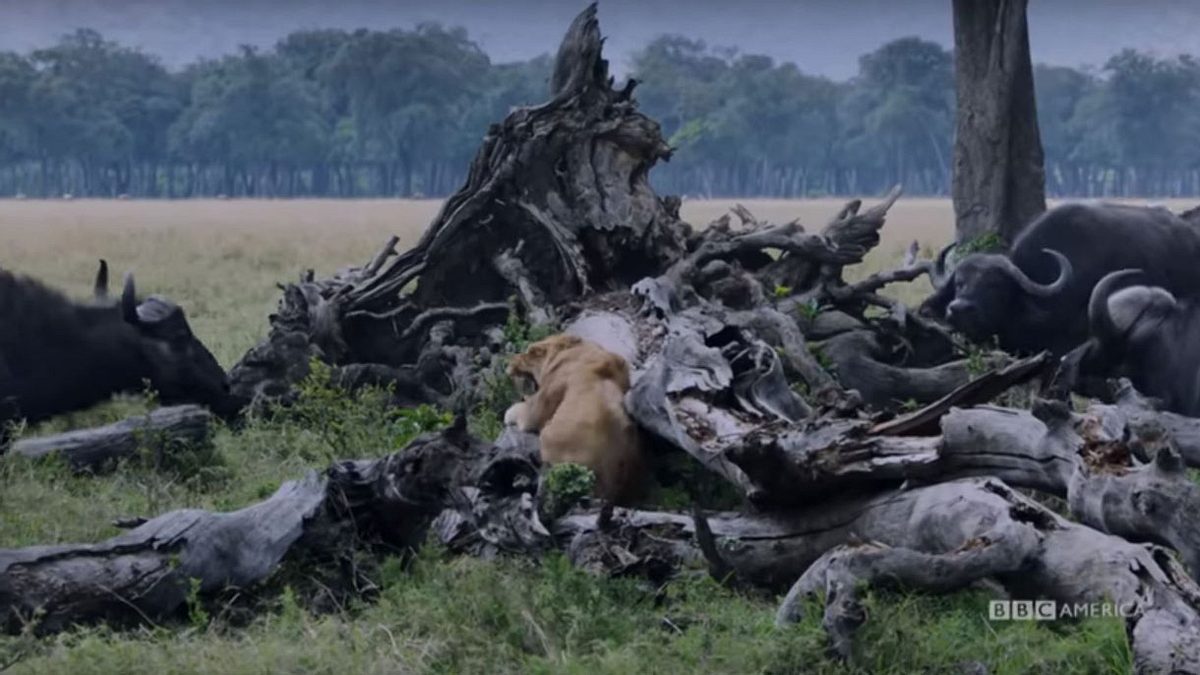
[(978, 391), (161, 432), (1086, 458), (146, 574), (483, 500), (859, 363), (1151, 427), (945, 537)]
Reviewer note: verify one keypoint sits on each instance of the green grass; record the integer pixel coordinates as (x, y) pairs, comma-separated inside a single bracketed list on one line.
[(448, 615)]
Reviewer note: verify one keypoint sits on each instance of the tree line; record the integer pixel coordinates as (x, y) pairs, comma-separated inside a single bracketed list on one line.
[(401, 112)]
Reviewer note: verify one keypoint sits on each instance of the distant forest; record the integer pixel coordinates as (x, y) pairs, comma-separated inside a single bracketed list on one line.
[(401, 113)]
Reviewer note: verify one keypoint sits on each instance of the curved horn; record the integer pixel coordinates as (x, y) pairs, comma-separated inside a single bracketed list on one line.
[(129, 300), (100, 289), (1100, 320), (1034, 288)]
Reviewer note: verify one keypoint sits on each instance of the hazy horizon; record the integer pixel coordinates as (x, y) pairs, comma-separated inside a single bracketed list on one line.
[(823, 37)]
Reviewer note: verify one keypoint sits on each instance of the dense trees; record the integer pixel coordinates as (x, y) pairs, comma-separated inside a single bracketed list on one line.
[(400, 112)]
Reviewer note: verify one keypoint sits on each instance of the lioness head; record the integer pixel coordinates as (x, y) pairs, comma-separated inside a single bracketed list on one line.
[(529, 363)]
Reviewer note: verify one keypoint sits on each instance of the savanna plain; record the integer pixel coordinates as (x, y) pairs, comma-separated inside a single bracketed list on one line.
[(221, 260)]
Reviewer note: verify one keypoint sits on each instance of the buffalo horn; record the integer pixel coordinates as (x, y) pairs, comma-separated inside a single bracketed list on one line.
[(129, 300), (1034, 288), (1100, 320)]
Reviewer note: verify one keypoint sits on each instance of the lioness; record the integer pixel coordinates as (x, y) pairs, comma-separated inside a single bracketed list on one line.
[(579, 413)]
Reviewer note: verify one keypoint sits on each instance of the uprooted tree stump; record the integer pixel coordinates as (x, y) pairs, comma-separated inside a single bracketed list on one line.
[(556, 204), (752, 355)]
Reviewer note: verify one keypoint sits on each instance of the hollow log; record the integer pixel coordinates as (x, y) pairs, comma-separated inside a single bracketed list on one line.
[(159, 432)]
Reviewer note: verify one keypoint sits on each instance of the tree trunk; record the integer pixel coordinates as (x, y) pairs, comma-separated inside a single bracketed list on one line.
[(999, 181)]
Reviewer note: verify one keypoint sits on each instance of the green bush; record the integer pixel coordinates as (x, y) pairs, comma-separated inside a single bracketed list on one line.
[(565, 486), (988, 242), (354, 424)]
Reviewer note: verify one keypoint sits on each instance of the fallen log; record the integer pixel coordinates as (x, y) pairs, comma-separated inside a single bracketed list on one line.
[(937, 538), (1085, 458), (978, 391), (943, 538), (147, 573), (160, 432)]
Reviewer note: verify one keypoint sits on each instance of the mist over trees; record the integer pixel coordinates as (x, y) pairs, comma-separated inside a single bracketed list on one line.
[(401, 112)]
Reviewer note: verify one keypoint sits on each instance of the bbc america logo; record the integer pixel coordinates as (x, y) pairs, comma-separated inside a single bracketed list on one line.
[(1050, 610)]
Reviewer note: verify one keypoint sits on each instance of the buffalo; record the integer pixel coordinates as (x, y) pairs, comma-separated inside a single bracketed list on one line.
[(58, 356), (1147, 334), (1036, 297)]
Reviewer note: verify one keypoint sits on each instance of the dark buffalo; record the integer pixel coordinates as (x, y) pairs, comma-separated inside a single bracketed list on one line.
[(1036, 297), (57, 355), (1145, 333)]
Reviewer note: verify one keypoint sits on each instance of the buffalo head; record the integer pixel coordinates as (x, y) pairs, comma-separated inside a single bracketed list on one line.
[(1145, 333), (1123, 310), (182, 369), (983, 291)]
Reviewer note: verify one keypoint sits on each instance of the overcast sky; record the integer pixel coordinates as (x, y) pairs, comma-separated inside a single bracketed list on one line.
[(821, 36)]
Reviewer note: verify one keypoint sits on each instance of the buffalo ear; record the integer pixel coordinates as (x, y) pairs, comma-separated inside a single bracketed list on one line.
[(100, 289), (129, 301)]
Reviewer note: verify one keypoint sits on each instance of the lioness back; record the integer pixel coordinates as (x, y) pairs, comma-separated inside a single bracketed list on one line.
[(585, 384)]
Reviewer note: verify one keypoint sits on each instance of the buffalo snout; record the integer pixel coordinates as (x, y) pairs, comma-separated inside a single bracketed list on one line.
[(960, 309), (968, 318)]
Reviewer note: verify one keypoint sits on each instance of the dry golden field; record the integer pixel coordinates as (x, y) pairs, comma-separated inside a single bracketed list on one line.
[(221, 259)]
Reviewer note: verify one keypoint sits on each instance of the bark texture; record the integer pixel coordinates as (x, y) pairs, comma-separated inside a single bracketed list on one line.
[(999, 178)]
